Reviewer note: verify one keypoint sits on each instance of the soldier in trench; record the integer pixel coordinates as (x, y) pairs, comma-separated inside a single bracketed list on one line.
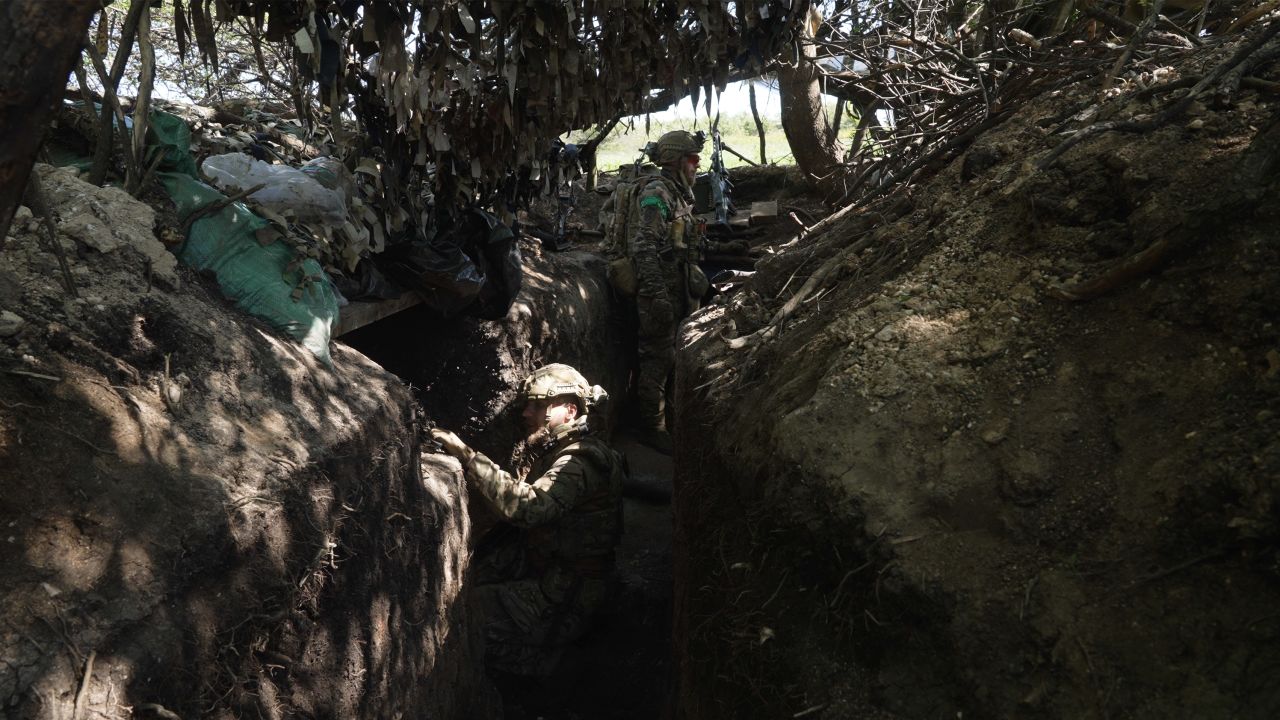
[(539, 588), (661, 244)]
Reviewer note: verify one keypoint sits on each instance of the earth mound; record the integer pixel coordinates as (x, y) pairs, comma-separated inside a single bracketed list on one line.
[(1010, 449), (200, 517)]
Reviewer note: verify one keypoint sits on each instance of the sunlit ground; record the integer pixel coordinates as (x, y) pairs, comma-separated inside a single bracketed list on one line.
[(737, 128)]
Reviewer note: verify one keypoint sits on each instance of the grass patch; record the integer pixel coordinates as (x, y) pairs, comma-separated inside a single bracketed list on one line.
[(738, 132)]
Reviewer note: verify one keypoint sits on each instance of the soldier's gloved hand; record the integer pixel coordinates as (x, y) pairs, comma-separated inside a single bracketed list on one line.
[(452, 444)]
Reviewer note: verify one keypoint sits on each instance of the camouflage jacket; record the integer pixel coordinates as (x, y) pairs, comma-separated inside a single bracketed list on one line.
[(572, 503), (662, 233)]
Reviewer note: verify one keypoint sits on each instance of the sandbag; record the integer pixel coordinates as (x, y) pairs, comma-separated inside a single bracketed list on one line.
[(271, 281), (267, 281), (473, 266)]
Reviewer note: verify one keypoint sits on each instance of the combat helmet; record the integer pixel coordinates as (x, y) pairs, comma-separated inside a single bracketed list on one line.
[(674, 145), (558, 379)]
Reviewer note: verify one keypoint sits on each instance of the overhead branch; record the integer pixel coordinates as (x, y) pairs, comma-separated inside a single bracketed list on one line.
[(115, 109), (110, 83), (142, 104)]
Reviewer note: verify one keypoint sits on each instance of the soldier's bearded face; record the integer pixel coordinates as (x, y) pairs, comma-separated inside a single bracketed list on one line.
[(690, 167)]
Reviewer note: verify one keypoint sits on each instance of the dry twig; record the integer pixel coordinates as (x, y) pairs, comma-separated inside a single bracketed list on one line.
[(215, 207), (1175, 110), (1137, 38), (37, 201)]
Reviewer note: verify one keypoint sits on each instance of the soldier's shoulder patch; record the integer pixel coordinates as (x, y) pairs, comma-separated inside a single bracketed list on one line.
[(656, 200)]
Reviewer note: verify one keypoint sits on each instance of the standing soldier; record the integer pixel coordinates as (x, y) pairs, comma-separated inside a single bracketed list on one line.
[(539, 590), (663, 244)]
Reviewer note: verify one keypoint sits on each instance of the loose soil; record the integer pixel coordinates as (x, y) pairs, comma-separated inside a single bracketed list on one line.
[(201, 518), (943, 487)]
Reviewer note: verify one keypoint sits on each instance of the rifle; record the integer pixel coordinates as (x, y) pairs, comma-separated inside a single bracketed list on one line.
[(721, 186), (563, 169), (568, 162)]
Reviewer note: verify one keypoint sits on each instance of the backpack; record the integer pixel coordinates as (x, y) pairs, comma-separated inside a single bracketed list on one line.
[(615, 221), (615, 216)]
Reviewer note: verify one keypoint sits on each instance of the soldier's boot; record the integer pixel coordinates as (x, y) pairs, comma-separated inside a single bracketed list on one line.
[(658, 439), (651, 398)]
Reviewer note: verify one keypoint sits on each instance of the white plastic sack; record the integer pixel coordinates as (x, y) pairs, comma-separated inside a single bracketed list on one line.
[(287, 190)]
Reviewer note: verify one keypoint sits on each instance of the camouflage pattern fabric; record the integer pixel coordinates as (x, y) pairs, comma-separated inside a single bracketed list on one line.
[(662, 218), (540, 588)]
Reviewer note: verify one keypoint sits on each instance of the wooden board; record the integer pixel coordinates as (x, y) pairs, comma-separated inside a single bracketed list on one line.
[(358, 314), (764, 212)]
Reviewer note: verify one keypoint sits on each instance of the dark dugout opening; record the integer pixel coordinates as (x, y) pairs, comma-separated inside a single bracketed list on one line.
[(465, 372)]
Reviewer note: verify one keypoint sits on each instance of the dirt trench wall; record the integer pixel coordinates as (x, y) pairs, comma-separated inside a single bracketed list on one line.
[(200, 518), (467, 371), (944, 489)]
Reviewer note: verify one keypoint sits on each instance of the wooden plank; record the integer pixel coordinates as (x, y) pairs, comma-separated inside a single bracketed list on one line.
[(764, 212), (358, 314)]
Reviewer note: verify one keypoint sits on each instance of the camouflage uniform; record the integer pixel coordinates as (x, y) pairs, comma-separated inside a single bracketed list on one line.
[(539, 589), (664, 248)]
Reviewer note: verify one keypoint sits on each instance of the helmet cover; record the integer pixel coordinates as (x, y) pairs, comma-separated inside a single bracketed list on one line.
[(555, 380), (674, 145)]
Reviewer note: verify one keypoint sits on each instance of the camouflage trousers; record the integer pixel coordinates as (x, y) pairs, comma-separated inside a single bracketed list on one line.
[(529, 618), (656, 349)]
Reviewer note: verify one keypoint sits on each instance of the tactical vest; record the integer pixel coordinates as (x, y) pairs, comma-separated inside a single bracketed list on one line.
[(620, 215), (585, 537)]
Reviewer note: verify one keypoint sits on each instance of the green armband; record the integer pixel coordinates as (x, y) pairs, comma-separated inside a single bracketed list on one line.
[(654, 201)]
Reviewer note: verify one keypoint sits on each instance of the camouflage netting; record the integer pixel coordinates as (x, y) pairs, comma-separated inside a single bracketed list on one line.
[(468, 92)]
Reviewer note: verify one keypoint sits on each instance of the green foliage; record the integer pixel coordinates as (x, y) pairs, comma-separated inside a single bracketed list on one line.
[(737, 131)]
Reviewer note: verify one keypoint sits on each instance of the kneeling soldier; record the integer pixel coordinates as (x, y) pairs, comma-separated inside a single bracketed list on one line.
[(539, 590)]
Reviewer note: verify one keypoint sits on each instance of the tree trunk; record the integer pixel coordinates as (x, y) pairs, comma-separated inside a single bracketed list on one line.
[(815, 151), (40, 41), (111, 83), (755, 115)]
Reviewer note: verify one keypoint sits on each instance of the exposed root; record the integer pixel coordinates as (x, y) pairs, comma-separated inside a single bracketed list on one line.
[(35, 197), (1121, 274), (78, 712), (1157, 575), (38, 376), (68, 433), (160, 711)]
